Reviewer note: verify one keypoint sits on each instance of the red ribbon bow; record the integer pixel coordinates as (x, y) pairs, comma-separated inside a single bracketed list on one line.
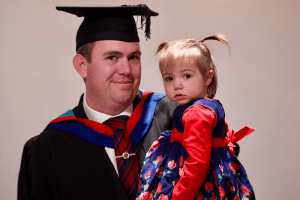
[(176, 136), (231, 138)]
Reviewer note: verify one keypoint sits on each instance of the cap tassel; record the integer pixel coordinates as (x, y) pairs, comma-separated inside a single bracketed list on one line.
[(145, 15)]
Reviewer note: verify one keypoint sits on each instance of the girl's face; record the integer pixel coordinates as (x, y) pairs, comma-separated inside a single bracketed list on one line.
[(184, 83)]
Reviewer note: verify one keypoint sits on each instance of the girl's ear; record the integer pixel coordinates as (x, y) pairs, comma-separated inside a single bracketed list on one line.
[(80, 64), (209, 77)]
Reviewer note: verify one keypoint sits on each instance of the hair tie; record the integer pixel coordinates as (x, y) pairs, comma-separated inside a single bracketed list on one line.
[(202, 40)]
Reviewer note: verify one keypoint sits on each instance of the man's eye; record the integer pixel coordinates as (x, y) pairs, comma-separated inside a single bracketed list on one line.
[(111, 57), (187, 76), (134, 57), (168, 78)]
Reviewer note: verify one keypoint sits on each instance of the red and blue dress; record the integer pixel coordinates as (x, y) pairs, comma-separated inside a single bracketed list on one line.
[(196, 159)]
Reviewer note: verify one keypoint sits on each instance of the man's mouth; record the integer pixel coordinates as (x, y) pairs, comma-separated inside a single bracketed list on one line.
[(124, 82)]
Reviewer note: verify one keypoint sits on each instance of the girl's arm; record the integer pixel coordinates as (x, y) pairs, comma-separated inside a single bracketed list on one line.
[(199, 122)]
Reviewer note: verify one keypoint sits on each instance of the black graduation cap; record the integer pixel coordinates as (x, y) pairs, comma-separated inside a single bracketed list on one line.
[(110, 23)]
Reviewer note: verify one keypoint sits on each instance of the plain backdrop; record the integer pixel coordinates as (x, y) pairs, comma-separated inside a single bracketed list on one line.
[(258, 78)]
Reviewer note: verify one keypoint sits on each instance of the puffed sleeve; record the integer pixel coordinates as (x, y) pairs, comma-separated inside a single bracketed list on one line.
[(199, 122)]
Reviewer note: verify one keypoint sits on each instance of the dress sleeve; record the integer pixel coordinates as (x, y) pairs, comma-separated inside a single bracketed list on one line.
[(199, 122)]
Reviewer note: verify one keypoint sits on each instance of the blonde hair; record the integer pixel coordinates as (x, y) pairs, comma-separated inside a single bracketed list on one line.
[(185, 49)]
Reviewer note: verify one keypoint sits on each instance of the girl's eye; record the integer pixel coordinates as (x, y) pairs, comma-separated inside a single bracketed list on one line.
[(187, 76), (168, 78)]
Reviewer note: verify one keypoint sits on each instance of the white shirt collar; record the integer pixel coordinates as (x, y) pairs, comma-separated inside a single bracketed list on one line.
[(101, 117)]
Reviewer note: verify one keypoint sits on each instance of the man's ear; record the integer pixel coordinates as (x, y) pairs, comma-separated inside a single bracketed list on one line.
[(209, 77), (80, 64)]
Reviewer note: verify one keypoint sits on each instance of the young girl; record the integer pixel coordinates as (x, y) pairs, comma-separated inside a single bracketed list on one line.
[(196, 159)]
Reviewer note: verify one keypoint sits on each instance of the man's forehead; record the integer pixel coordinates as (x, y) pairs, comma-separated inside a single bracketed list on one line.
[(105, 46)]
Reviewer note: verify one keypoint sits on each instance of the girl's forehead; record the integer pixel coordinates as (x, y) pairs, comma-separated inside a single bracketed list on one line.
[(179, 65)]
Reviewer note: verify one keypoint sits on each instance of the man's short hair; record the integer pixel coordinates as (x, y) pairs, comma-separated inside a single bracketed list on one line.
[(86, 51)]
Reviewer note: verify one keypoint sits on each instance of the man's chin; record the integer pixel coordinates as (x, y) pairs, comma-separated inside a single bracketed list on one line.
[(125, 96)]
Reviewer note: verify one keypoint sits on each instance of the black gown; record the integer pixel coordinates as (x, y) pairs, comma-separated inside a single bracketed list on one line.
[(60, 165)]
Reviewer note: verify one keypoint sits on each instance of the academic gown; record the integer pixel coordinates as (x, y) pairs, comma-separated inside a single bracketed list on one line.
[(60, 165)]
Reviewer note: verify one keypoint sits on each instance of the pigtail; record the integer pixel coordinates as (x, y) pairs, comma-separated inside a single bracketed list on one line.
[(161, 46), (218, 37), (212, 88)]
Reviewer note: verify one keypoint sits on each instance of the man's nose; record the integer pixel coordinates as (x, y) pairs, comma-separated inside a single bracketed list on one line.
[(124, 67)]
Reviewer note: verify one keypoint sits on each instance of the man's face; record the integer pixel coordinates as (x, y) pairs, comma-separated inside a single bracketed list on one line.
[(113, 75)]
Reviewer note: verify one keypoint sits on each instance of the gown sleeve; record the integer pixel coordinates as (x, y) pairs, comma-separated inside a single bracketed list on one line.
[(26, 183), (36, 178), (199, 122)]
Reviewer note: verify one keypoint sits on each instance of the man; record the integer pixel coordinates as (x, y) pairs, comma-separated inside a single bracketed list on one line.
[(74, 157)]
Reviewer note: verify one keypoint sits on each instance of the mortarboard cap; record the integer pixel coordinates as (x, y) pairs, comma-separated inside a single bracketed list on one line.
[(110, 23)]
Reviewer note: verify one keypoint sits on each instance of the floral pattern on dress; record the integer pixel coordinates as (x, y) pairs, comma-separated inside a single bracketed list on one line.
[(163, 167)]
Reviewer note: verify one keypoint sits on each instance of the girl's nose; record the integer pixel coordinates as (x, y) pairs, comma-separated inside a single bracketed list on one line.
[(177, 85)]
